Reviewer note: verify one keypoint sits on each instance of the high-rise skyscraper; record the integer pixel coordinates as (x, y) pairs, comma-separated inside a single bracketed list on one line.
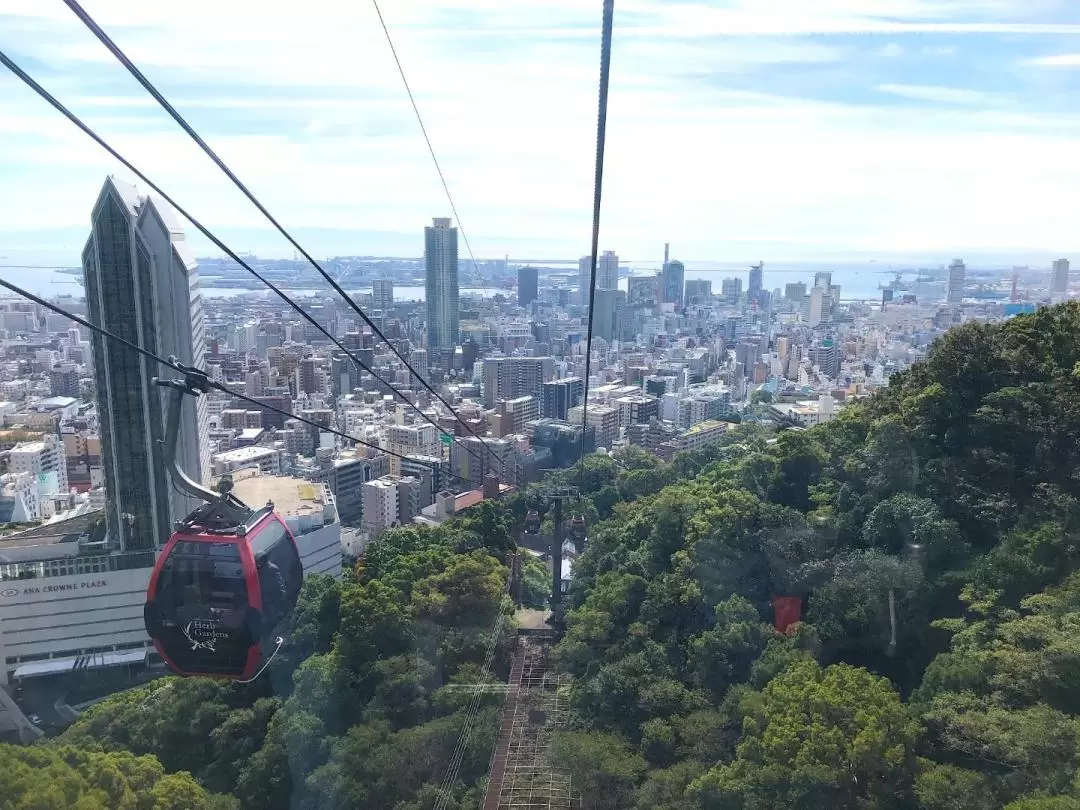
[(1059, 284), (674, 273), (730, 290), (142, 284), (957, 273), (756, 285), (607, 271), (382, 294), (584, 280), (527, 286), (441, 292)]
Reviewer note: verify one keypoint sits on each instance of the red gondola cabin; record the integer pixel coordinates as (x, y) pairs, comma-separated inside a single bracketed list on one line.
[(216, 596)]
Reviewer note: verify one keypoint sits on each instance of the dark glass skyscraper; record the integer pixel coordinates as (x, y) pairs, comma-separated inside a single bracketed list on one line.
[(674, 273), (527, 286), (142, 284), (441, 288)]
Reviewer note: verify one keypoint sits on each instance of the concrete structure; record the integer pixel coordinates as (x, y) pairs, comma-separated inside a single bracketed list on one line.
[(513, 377), (559, 396), (731, 290), (1059, 282), (441, 287), (389, 502), (265, 459), (673, 279), (382, 294), (516, 412), (697, 292), (807, 413), (604, 419), (527, 286), (40, 458), (346, 479), (955, 289), (607, 271), (410, 440), (142, 284), (696, 437)]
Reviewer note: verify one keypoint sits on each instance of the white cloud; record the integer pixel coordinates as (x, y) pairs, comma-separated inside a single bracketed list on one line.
[(1057, 60), (892, 50), (945, 95), (313, 117)]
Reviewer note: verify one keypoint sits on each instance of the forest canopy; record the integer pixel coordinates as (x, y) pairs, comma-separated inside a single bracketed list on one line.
[(930, 533)]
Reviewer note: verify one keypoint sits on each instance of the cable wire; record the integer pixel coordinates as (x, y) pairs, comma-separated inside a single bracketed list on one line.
[(115, 50), (601, 140), (63, 110), (178, 367), (427, 139)]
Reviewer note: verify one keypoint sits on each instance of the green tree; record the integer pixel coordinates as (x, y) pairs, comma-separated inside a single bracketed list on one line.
[(833, 737)]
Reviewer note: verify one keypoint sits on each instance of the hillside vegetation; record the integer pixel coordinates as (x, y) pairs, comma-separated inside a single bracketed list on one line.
[(932, 533)]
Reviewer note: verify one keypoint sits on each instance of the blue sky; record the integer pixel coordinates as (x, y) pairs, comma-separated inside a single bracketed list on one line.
[(743, 129)]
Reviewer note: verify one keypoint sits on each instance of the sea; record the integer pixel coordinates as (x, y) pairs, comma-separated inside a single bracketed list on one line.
[(858, 281)]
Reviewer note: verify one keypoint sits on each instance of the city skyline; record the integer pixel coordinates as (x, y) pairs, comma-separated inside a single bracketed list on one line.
[(811, 130)]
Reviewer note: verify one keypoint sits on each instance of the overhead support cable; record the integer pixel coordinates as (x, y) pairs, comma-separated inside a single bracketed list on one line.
[(601, 140), (63, 110), (138, 75), (427, 140)]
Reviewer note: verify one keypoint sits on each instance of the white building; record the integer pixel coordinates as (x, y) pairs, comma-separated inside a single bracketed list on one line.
[(266, 459), (41, 457), (380, 499), (410, 440)]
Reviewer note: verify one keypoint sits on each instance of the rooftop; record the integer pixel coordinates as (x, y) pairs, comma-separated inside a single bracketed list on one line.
[(291, 496), (244, 454)]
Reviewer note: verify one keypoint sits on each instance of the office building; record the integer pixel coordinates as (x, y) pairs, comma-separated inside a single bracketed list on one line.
[(389, 502), (584, 280), (44, 458), (142, 284), (823, 279), (441, 287), (1059, 283), (559, 396), (432, 472), (795, 292), (816, 309), (957, 274), (513, 377), (645, 290), (697, 292), (410, 440), (731, 291), (563, 440), (674, 275), (64, 380), (346, 482), (604, 419), (514, 413), (826, 356), (756, 285), (607, 271), (382, 294), (527, 286), (608, 314)]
